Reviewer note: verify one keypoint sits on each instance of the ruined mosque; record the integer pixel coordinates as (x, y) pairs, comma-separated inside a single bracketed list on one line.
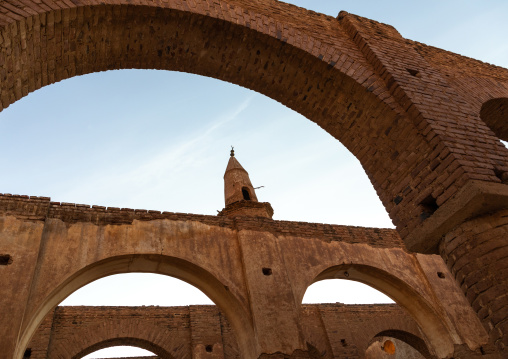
[(425, 124)]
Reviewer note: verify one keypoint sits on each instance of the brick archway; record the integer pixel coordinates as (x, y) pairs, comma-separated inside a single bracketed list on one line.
[(216, 290), (403, 291), (113, 342)]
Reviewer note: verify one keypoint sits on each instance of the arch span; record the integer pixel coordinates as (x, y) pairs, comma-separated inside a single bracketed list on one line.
[(184, 270), (428, 319), (134, 342)]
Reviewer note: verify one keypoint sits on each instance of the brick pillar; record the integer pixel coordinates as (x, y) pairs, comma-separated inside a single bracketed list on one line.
[(477, 254)]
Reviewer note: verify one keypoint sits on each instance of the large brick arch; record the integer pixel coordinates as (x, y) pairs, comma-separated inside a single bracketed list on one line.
[(330, 70)]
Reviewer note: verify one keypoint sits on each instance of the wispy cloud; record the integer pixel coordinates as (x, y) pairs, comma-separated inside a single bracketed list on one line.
[(154, 171)]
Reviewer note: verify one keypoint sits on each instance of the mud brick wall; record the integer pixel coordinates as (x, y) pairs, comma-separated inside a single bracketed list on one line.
[(40, 208), (337, 330)]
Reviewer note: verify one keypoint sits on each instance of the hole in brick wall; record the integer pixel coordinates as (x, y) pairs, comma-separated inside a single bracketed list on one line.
[(389, 347), (246, 194), (209, 348), (343, 342), (414, 73), (428, 206), (267, 271), (5, 259), (397, 200), (28, 353), (502, 175), (440, 274)]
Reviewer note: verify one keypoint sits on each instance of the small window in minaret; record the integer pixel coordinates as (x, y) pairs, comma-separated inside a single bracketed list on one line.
[(246, 195)]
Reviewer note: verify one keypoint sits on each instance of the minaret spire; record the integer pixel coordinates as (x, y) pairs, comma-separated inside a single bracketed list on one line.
[(239, 194)]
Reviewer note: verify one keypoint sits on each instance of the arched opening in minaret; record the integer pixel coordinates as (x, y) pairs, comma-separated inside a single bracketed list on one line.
[(246, 195)]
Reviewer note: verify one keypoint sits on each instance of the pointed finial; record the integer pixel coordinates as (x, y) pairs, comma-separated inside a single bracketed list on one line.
[(232, 151)]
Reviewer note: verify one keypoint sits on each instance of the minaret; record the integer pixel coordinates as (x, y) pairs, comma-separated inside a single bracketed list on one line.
[(239, 194)]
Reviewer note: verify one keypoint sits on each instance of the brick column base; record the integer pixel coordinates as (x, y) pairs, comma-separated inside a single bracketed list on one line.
[(477, 254)]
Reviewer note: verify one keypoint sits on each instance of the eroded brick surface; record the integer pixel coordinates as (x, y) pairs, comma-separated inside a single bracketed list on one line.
[(477, 254)]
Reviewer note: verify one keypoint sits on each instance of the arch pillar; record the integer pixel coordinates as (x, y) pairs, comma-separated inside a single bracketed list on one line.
[(476, 252), (464, 177), (274, 308)]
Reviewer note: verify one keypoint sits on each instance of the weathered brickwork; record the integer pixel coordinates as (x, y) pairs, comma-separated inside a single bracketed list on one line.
[(479, 83), (337, 330), (424, 123), (483, 279)]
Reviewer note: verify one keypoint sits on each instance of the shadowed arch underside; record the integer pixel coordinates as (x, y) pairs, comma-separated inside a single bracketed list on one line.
[(410, 339)]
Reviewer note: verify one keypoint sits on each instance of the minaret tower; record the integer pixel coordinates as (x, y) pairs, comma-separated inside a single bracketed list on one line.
[(239, 194)]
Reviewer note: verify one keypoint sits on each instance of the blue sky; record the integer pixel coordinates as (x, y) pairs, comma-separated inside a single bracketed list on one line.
[(160, 140)]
